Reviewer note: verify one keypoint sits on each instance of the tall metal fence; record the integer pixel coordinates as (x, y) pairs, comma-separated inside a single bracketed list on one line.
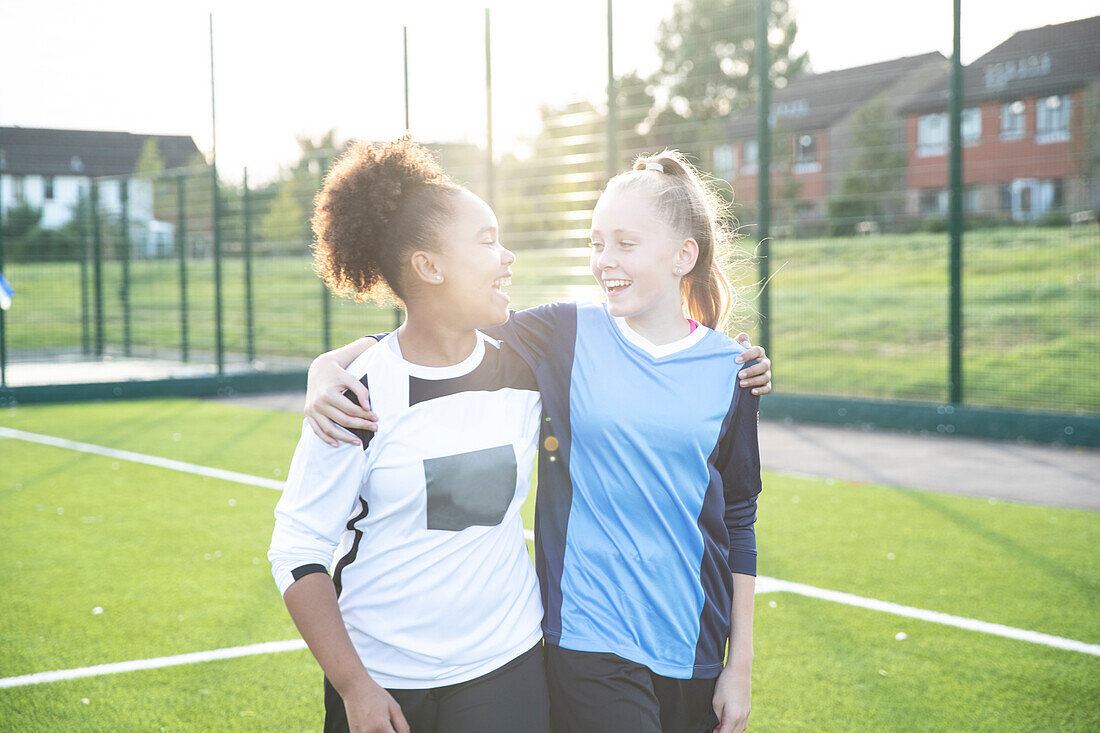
[(886, 292)]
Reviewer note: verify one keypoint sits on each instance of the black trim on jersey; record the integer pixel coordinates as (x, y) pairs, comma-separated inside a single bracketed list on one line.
[(349, 558), (501, 368), (303, 570), (363, 435)]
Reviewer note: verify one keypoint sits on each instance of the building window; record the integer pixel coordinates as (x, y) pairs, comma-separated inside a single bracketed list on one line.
[(1052, 116), (1006, 197), (1058, 194), (1030, 198), (933, 201), (972, 200), (47, 188), (805, 149), (971, 126), (932, 135), (1012, 120), (17, 189), (804, 159), (76, 164), (725, 162), (750, 161)]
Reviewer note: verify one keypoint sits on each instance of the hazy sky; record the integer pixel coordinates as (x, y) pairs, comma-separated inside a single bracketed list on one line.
[(301, 68)]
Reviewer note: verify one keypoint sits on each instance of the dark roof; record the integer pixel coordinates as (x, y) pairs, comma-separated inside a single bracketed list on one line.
[(1053, 59), (33, 150), (816, 101)]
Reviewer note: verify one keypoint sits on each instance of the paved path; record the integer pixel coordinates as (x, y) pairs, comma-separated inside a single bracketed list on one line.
[(1027, 472)]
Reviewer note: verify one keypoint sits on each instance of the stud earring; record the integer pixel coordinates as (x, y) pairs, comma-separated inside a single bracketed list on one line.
[(679, 271), (439, 277)]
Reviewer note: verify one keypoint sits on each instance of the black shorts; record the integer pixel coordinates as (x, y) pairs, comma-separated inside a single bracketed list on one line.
[(509, 699), (592, 692)]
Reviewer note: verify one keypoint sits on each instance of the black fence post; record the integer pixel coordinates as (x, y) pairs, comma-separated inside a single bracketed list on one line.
[(612, 102), (124, 254), (181, 249), (490, 173), (85, 309), (97, 269), (955, 386), (219, 342), (248, 313), (764, 167)]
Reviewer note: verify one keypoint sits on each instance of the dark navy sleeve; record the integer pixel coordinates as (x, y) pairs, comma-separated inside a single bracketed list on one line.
[(739, 464), (529, 331)]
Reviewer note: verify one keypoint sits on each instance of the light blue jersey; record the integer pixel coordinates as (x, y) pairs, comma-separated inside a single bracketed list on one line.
[(648, 475)]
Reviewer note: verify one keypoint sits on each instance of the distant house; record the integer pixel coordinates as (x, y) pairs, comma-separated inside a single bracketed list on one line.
[(51, 170), (1029, 128), (812, 122)]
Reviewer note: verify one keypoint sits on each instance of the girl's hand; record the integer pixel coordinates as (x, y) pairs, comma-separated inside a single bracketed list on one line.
[(327, 408), (759, 375), (731, 700), (371, 709)]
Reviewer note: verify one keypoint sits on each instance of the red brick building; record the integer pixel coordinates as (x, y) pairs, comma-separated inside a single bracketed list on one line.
[(1030, 128), (815, 131)]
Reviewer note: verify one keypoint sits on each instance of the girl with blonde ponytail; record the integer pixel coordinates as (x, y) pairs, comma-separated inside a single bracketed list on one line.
[(649, 467)]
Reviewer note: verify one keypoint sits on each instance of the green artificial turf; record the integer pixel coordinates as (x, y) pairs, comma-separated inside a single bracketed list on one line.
[(177, 564)]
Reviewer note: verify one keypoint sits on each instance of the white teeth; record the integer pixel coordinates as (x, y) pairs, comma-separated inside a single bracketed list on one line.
[(616, 283), (502, 283)]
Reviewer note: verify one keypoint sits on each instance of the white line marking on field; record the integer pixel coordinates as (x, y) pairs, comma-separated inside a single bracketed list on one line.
[(125, 455), (267, 647), (764, 584), (1010, 632)]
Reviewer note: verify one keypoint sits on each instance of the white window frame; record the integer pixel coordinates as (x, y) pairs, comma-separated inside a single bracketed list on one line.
[(971, 127), (801, 162), (1018, 129), (932, 134), (1052, 123)]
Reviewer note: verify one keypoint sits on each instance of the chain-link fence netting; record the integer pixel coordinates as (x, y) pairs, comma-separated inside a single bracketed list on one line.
[(117, 251)]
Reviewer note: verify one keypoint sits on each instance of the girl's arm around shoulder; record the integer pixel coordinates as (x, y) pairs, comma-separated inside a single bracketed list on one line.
[(531, 332), (329, 388), (755, 376)]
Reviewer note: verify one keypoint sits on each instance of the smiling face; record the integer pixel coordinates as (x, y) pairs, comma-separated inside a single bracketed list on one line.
[(471, 268), (635, 255)]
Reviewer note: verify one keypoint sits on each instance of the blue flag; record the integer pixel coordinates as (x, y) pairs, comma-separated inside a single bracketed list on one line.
[(7, 292)]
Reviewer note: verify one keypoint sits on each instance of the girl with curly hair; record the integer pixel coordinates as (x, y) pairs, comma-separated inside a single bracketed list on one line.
[(431, 618)]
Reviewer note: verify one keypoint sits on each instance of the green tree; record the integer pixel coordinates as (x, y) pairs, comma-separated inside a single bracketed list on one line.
[(707, 51), (20, 219), (286, 220), (871, 187), (287, 217), (150, 166), (149, 163), (1086, 145)]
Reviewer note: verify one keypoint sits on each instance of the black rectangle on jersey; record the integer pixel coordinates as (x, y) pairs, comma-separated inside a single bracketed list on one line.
[(470, 489)]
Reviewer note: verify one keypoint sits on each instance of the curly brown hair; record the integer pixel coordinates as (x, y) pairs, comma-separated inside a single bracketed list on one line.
[(379, 203)]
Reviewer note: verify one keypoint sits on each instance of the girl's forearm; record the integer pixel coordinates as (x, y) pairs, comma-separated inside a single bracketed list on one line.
[(311, 601), (741, 612)]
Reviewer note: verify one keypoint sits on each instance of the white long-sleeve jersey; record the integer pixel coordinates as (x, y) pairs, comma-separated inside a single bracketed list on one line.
[(421, 527)]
